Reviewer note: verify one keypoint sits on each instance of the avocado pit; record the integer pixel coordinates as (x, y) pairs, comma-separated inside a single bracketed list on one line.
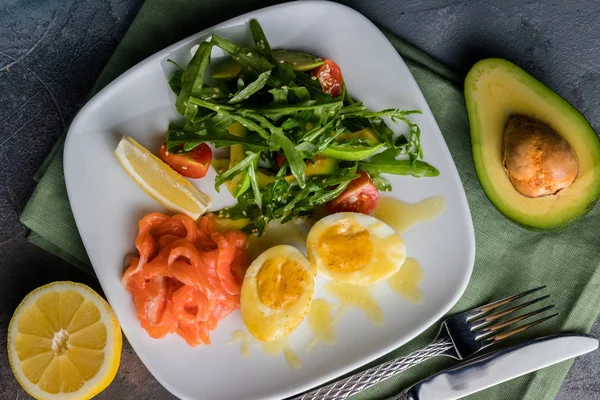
[(538, 161)]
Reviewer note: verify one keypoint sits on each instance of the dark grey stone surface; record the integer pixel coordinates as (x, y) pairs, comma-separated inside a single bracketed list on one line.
[(52, 51)]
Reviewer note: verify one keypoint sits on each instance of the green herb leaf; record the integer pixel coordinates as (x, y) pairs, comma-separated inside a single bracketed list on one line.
[(279, 95), (293, 156), (307, 149), (415, 168), (178, 139), (246, 57), (260, 39), (175, 81), (254, 182), (283, 75), (192, 80), (231, 172), (381, 184), (251, 89)]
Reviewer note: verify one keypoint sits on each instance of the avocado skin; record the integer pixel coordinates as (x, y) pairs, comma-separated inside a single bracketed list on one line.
[(564, 106)]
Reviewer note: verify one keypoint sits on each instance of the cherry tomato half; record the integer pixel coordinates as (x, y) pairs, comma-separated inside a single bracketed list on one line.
[(279, 159), (193, 164), (330, 76), (360, 196)]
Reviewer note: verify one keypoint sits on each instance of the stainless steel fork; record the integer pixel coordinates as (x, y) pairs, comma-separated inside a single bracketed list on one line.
[(459, 337)]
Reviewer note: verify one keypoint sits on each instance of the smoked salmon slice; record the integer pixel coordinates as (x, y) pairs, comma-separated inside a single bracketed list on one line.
[(186, 277)]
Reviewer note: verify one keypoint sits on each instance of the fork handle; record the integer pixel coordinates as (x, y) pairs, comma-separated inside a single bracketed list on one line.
[(353, 384)]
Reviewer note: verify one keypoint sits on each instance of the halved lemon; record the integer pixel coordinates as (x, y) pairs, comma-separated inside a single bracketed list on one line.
[(64, 342), (159, 180)]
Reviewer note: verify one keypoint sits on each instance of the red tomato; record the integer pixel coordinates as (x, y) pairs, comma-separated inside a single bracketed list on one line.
[(360, 196), (330, 76), (193, 164), (279, 159)]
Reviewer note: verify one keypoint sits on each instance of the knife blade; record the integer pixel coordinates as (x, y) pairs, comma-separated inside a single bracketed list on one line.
[(500, 366)]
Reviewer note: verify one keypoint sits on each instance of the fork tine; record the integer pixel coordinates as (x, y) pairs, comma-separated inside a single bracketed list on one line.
[(488, 341), (486, 319), (480, 311), (494, 328)]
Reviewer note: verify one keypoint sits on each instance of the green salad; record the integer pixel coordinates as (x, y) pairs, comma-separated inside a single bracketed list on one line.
[(297, 138)]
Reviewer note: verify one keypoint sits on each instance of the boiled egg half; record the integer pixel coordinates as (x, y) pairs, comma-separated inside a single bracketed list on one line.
[(277, 291), (355, 248)]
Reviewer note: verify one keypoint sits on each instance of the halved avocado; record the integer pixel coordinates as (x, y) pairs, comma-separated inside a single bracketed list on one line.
[(519, 129), (345, 150)]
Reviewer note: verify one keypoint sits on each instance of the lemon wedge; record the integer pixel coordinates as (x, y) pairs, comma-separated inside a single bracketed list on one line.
[(64, 342), (159, 180)]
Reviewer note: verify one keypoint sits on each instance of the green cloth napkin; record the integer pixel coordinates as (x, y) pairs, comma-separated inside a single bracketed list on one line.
[(509, 258)]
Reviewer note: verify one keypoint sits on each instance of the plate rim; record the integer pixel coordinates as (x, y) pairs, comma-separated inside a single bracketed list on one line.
[(97, 99)]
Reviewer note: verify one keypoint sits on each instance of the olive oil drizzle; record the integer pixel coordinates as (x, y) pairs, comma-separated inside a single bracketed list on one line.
[(402, 216), (406, 281), (271, 348), (321, 323), (358, 297)]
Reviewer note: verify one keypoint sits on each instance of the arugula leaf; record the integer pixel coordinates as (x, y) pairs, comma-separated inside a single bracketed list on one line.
[(214, 93), (179, 67), (246, 57), (293, 156), (283, 75), (278, 140), (260, 39), (300, 92), (279, 95), (192, 80), (313, 86), (383, 132), (254, 182), (251, 89), (175, 81), (381, 183), (300, 120), (346, 95), (326, 141), (307, 149), (386, 162), (176, 138), (231, 172)]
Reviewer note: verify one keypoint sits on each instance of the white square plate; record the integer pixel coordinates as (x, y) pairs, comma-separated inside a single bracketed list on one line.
[(107, 205)]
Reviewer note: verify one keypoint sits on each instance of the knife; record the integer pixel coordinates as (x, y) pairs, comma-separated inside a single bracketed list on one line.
[(500, 366)]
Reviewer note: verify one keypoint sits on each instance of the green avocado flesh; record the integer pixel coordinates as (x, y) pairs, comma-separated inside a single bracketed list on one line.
[(229, 68), (300, 61), (495, 91)]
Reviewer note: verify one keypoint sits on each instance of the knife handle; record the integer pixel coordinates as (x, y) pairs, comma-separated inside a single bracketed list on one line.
[(353, 384)]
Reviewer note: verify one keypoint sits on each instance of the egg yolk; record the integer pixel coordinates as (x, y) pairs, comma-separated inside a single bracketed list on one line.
[(280, 282), (345, 246)]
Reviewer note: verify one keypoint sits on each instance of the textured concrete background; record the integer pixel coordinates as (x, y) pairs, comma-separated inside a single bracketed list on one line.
[(51, 52)]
